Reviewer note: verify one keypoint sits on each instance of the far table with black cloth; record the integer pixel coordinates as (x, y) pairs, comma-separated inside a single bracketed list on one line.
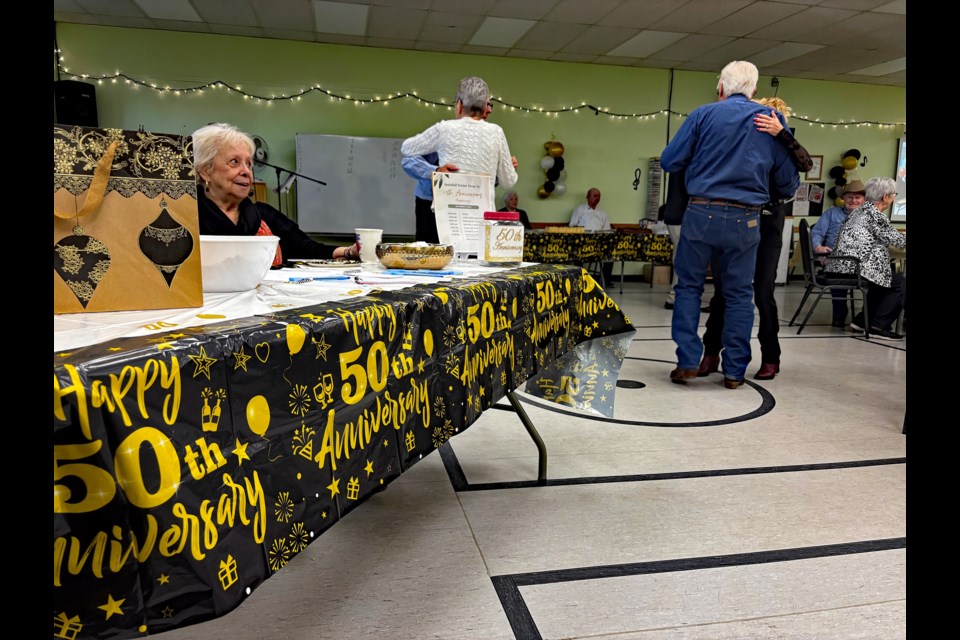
[(570, 248)]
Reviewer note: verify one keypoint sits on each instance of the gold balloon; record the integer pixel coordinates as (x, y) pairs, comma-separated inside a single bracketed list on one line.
[(428, 342), (838, 202), (849, 163), (295, 338), (543, 193), (258, 415), (555, 149)]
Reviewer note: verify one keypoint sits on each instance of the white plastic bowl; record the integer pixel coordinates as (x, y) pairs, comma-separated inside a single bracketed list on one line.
[(235, 263)]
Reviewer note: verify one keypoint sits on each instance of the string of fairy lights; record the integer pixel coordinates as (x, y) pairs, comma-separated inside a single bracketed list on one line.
[(296, 96)]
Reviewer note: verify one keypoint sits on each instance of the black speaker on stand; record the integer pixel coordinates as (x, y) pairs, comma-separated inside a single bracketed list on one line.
[(75, 103)]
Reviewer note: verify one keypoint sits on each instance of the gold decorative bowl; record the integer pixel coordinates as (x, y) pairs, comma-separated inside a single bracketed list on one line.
[(415, 255)]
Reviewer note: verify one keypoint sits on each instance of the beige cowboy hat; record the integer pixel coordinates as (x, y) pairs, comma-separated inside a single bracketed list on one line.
[(854, 186)]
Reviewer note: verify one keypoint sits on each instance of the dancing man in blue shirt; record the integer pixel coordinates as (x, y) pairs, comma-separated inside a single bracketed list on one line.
[(730, 167)]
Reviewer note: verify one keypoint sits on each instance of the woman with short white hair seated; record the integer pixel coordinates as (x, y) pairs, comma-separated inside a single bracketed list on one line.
[(866, 235)]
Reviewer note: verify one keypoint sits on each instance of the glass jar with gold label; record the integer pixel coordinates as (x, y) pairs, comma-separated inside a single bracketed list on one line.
[(502, 239)]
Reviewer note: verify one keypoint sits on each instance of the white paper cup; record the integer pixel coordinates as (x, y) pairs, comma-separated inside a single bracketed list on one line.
[(368, 239)]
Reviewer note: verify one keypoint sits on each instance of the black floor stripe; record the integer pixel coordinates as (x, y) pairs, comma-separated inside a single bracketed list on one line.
[(460, 484), (524, 627)]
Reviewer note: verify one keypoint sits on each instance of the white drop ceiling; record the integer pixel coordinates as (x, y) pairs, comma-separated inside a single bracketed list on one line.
[(863, 41)]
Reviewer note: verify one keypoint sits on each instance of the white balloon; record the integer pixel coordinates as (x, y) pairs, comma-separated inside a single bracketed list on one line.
[(547, 163), (559, 188)]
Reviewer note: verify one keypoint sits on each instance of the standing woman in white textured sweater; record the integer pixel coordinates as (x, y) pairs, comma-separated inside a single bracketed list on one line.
[(469, 141)]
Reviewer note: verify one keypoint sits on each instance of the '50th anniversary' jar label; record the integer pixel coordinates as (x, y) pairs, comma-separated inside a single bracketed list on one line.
[(502, 238)]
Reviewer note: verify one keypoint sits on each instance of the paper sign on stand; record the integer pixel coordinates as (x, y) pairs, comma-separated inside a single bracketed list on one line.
[(459, 200)]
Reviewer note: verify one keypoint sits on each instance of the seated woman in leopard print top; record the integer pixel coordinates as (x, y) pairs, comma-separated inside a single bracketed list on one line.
[(866, 234)]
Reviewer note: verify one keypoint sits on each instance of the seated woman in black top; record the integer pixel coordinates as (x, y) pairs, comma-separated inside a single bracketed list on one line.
[(223, 160), (510, 199)]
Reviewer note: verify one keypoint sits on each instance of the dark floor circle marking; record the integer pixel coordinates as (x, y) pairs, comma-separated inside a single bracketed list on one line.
[(767, 403), (630, 384)]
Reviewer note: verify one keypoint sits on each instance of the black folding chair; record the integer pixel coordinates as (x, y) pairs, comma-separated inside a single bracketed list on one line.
[(828, 282)]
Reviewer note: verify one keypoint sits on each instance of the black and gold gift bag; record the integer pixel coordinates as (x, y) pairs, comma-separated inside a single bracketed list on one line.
[(125, 229)]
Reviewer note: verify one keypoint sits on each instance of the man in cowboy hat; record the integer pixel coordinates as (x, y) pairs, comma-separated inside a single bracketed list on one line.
[(823, 235)]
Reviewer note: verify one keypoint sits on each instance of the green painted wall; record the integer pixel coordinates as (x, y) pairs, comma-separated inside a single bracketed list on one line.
[(600, 150)]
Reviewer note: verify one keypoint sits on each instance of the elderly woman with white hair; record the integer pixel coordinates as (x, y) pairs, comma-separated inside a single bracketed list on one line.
[(866, 235), (223, 160), (469, 141), (510, 200)]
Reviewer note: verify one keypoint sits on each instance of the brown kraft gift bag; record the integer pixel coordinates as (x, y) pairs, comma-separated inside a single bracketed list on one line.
[(125, 229)]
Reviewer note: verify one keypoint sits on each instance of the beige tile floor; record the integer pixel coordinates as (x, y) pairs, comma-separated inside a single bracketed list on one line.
[(777, 510)]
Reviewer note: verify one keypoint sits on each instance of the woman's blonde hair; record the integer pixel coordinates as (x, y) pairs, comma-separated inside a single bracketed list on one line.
[(776, 103)]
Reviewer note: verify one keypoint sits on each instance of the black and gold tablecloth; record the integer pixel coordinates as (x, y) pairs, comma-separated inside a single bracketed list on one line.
[(190, 467), (568, 248)]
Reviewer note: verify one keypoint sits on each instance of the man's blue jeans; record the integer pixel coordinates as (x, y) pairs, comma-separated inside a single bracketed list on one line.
[(728, 236)]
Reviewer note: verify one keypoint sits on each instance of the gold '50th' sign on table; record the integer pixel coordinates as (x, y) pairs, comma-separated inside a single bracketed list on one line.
[(191, 466), (542, 246)]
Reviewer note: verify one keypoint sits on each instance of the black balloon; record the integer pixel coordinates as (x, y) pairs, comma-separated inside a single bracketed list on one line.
[(832, 193), (553, 174), (548, 186), (852, 152), (837, 172), (841, 181), (558, 163)]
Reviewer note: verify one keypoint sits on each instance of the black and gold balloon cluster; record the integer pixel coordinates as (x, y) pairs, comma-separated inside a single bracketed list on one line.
[(553, 166), (844, 173)]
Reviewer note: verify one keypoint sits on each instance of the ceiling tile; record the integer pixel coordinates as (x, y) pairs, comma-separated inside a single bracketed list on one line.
[(444, 47), (855, 5), (882, 69), (580, 12), (573, 57), (297, 16), (898, 6), (130, 22), (225, 12), (394, 22), (646, 43), (526, 10), (655, 63), (482, 50), (529, 53), (112, 7), (401, 4), (78, 18), (696, 14), (737, 49), (549, 37), (183, 25), (454, 20), (641, 14), (447, 35), (795, 26), (169, 10), (691, 47), (501, 32), (597, 40), (463, 7), (339, 17), (69, 6), (751, 18), (782, 52)]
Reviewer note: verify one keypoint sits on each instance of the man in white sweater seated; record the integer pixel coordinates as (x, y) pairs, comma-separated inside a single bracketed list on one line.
[(593, 218)]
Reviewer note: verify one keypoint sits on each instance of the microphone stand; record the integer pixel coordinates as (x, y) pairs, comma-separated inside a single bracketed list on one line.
[(279, 170)]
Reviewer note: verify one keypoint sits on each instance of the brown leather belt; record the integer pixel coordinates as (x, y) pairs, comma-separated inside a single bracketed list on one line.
[(726, 203)]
